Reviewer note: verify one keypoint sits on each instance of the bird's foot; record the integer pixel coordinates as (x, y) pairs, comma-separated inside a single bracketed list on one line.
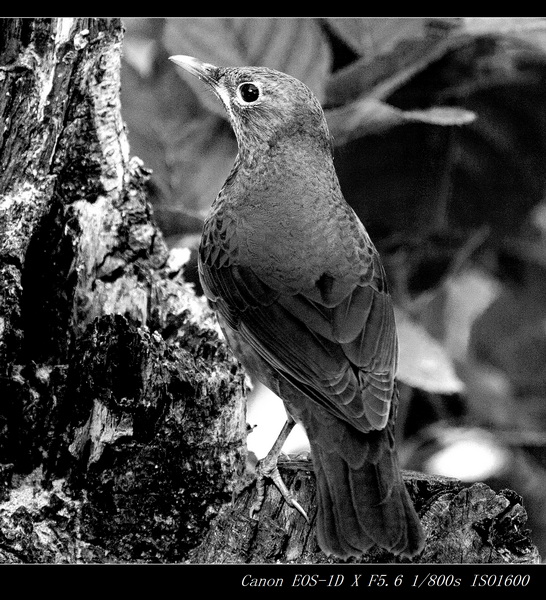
[(269, 470)]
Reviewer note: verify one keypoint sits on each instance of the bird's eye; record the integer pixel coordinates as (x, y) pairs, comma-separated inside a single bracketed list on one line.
[(248, 92)]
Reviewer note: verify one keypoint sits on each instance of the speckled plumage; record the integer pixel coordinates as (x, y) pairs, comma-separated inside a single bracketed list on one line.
[(302, 298)]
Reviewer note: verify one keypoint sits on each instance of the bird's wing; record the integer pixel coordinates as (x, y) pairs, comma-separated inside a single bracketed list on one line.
[(343, 356)]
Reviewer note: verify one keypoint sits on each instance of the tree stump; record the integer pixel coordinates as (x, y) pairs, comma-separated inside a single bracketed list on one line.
[(122, 412), (463, 524)]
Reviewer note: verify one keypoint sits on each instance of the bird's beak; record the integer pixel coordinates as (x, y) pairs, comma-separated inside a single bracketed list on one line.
[(204, 71)]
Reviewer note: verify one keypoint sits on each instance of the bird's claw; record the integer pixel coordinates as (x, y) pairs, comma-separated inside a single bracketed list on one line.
[(295, 504), (262, 471)]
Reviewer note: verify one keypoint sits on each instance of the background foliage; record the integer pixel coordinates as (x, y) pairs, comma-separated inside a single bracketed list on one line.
[(439, 127)]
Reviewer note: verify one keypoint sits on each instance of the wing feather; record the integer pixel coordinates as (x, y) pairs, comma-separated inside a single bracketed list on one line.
[(341, 353)]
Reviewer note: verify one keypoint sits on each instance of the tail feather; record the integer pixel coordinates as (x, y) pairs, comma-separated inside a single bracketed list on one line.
[(339, 531), (365, 505)]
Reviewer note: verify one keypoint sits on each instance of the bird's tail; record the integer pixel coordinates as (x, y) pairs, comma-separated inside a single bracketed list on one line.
[(362, 498)]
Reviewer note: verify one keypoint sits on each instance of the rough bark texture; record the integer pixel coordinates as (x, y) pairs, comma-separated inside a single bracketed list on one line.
[(463, 524), (114, 386), (122, 414)]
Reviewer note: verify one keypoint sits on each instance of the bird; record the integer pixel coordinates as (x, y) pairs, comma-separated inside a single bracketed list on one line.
[(302, 298)]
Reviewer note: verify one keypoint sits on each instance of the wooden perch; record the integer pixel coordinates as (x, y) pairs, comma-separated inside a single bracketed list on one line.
[(464, 524), (122, 413)]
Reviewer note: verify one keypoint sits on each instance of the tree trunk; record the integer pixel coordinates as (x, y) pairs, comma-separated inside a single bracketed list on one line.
[(115, 388), (122, 413)]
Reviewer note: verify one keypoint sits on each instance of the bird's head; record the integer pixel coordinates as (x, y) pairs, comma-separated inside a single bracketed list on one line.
[(264, 106)]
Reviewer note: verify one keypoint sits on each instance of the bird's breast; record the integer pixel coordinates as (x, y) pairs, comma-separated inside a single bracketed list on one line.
[(294, 243), (290, 224)]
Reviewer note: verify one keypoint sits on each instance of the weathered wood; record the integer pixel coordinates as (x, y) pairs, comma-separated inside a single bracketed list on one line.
[(463, 524)]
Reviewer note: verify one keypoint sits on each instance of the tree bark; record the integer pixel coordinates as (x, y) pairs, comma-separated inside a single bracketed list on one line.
[(122, 412), (463, 524), (115, 387)]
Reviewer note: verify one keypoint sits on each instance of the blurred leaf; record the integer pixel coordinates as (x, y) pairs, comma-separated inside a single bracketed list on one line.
[(140, 55), (489, 396), (511, 336), (189, 150), (373, 36), (140, 46), (423, 362), (504, 25), (504, 367), (293, 45), (144, 28), (200, 157), (392, 52), (441, 115), (489, 172), (538, 219), (371, 116), (450, 314)]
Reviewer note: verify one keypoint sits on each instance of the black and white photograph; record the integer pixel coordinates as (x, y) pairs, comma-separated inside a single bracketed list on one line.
[(273, 301)]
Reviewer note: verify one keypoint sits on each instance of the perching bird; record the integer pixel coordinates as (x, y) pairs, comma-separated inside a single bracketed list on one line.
[(302, 298)]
